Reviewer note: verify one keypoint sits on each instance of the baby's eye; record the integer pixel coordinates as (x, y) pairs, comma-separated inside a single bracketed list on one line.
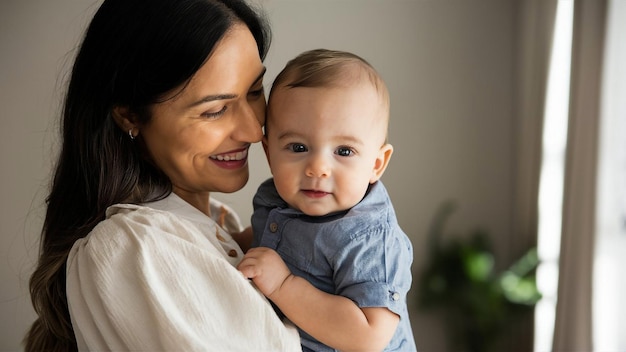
[(344, 151), (297, 147), (214, 114)]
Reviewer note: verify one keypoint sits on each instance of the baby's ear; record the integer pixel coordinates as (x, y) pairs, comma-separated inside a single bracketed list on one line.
[(382, 160)]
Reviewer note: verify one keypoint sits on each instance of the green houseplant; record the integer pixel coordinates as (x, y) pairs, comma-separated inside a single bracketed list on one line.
[(459, 280)]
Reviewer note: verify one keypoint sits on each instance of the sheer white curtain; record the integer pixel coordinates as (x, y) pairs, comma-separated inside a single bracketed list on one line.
[(573, 325), (536, 24), (536, 19), (590, 314), (554, 146), (609, 283)]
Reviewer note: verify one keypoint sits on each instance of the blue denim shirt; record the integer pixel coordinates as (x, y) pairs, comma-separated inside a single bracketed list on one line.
[(361, 253)]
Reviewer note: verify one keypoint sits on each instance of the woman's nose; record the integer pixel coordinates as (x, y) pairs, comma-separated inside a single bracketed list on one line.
[(318, 166), (248, 128)]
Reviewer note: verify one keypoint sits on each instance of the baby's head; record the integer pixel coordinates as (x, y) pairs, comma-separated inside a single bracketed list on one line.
[(326, 131)]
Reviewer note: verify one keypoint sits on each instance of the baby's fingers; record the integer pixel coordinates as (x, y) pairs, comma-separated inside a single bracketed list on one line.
[(248, 268)]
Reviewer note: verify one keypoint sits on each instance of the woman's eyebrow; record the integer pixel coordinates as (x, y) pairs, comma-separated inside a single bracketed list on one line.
[(214, 97)]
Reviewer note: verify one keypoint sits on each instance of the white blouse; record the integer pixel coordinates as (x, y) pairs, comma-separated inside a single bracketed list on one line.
[(162, 277)]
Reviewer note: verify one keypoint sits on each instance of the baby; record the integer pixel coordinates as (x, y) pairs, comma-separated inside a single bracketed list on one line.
[(329, 252)]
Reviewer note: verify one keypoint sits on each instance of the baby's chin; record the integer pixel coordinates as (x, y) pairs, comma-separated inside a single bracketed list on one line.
[(321, 211)]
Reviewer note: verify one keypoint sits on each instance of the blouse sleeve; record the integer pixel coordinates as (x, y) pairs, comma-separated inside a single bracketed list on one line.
[(149, 281)]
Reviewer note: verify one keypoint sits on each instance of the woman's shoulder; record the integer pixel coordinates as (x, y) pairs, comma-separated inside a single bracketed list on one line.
[(124, 220), (130, 229)]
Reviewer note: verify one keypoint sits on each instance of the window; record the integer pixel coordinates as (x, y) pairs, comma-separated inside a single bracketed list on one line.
[(552, 172), (609, 311)]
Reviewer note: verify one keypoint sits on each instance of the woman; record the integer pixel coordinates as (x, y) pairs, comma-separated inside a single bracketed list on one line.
[(164, 100)]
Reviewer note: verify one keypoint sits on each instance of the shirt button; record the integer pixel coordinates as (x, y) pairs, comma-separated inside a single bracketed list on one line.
[(232, 253), (273, 227), (395, 296)]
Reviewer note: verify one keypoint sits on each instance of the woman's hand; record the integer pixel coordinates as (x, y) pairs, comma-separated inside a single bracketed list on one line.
[(266, 268)]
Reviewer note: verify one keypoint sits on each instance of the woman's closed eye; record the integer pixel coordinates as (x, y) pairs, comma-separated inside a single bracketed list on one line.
[(214, 114)]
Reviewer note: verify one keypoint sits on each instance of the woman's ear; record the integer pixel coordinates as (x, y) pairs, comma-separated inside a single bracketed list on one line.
[(382, 160), (125, 119)]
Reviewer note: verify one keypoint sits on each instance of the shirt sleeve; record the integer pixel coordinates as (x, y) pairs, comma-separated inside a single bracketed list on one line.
[(373, 269), (146, 281)]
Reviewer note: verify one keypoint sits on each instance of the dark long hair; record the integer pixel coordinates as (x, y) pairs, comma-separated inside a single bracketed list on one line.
[(133, 52)]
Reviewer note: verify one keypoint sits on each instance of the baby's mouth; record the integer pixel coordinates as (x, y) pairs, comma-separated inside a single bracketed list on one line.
[(311, 193)]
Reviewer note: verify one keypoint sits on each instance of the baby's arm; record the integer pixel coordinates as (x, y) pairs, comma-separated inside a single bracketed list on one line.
[(334, 320)]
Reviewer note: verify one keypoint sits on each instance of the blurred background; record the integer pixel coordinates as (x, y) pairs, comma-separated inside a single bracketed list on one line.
[(508, 174)]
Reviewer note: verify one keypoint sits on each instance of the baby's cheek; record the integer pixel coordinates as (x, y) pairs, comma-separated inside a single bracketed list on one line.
[(353, 194)]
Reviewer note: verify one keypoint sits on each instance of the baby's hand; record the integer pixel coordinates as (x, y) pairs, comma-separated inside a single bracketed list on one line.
[(266, 268)]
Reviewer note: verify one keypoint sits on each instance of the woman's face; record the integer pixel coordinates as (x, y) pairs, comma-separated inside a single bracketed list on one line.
[(200, 138)]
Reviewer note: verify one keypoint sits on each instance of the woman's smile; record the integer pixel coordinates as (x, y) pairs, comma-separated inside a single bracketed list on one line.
[(232, 159)]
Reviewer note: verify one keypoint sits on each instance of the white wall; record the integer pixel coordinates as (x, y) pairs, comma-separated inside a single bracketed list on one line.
[(448, 64), (36, 37)]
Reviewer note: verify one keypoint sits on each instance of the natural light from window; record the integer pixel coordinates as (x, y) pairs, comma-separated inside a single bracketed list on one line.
[(552, 171), (609, 309)]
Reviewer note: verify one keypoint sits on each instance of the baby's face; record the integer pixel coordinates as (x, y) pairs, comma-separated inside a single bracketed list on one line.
[(326, 145)]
